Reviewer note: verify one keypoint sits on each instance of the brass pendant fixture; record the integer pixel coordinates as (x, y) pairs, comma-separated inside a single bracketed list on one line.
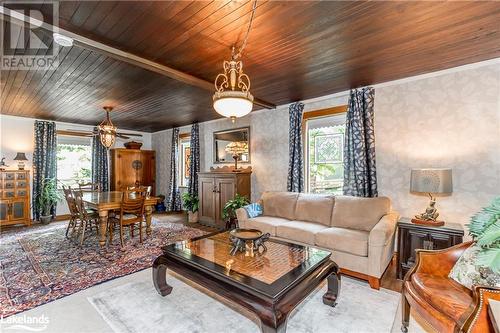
[(232, 97), (106, 129)]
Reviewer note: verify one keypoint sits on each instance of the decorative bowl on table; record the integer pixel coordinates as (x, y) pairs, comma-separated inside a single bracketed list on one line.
[(240, 237)]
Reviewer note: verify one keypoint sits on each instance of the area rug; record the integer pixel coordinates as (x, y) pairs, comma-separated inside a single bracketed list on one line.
[(41, 266), (136, 307)]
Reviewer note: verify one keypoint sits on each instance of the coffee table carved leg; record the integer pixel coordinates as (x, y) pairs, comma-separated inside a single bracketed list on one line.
[(330, 298), (270, 328), (160, 276)]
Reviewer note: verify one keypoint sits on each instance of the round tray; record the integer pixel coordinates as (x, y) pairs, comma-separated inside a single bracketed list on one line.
[(246, 234)]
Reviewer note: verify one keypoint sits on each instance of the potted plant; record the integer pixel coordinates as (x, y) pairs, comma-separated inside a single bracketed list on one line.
[(190, 203), (485, 230), (229, 210), (48, 198)]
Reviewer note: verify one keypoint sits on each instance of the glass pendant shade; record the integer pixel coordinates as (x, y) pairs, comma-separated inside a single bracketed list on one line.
[(233, 106)]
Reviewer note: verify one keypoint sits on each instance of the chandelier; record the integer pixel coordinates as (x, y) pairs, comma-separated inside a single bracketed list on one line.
[(106, 129), (232, 97)]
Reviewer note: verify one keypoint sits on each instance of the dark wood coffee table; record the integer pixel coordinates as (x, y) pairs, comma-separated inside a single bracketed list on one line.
[(270, 284)]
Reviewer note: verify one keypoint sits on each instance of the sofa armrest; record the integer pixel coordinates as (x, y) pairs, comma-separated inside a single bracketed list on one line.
[(383, 231), (437, 262), (381, 244), (242, 216)]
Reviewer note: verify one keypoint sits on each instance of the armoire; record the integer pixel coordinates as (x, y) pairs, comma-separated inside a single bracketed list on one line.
[(131, 167), (215, 188)]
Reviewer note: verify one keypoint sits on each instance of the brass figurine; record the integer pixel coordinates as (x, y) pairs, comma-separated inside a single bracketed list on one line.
[(431, 213)]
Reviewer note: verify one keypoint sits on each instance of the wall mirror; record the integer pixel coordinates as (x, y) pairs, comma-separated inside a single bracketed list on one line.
[(230, 143)]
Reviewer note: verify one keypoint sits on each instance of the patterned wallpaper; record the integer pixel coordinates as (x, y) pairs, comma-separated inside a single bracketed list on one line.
[(452, 120)]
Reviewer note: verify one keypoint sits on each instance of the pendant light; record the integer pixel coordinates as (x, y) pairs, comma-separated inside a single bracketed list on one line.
[(107, 131), (232, 97)]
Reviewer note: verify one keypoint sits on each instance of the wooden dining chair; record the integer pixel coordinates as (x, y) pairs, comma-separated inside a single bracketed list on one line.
[(70, 200), (139, 190), (131, 213), (87, 218), (90, 187)]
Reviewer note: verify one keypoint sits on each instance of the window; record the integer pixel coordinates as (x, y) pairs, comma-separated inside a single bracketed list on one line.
[(184, 153), (74, 160), (324, 150)]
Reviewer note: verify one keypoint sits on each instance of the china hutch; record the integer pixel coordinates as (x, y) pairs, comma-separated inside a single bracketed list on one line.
[(14, 197)]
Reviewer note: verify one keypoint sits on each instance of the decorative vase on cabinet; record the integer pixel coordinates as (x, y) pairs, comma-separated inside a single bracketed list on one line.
[(132, 167), (215, 188)]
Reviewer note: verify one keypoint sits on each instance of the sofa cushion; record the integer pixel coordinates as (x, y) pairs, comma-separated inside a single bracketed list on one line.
[(280, 204), (359, 213), (344, 240), (314, 208), (299, 231), (265, 223), (442, 293)]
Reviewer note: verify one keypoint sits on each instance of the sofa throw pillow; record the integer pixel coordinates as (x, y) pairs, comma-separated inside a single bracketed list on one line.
[(253, 210), (468, 274)]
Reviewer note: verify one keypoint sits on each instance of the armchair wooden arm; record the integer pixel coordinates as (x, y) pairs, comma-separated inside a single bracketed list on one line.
[(477, 319), (437, 262), (435, 266)]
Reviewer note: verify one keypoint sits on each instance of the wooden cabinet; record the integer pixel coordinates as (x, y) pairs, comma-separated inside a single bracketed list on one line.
[(132, 167), (15, 197), (413, 236), (215, 189)]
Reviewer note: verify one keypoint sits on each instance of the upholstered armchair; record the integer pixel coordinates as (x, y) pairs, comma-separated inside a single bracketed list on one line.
[(441, 303)]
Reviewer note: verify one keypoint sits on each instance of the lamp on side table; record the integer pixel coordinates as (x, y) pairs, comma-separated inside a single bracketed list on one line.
[(430, 181)]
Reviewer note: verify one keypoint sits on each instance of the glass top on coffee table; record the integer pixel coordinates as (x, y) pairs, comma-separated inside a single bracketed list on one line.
[(268, 272)]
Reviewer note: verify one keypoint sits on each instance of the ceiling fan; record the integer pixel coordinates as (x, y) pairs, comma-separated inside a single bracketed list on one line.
[(107, 127)]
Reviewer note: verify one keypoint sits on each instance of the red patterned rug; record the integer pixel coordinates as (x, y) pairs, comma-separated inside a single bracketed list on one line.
[(41, 265)]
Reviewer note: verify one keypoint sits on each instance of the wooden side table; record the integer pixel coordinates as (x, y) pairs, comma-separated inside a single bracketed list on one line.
[(413, 236)]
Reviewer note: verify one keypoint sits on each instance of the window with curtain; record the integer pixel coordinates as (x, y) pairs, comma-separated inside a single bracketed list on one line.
[(74, 160), (184, 153), (324, 146)]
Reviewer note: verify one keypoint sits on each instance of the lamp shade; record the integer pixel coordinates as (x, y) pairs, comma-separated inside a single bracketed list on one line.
[(20, 157), (237, 148), (431, 181)]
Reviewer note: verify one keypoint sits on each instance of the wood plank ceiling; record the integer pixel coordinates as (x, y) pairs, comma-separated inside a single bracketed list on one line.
[(297, 50)]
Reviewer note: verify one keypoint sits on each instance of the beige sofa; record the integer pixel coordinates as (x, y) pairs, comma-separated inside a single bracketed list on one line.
[(358, 231)]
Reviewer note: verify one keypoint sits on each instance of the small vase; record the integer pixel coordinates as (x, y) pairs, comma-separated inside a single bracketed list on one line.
[(193, 217)]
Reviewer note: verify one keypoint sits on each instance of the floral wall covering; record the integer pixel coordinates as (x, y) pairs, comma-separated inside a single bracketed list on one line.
[(458, 112), (452, 121)]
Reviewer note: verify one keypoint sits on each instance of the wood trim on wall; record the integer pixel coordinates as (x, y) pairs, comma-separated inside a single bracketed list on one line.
[(184, 135), (325, 112)]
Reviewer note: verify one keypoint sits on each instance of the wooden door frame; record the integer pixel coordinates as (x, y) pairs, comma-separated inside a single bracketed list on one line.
[(321, 113)]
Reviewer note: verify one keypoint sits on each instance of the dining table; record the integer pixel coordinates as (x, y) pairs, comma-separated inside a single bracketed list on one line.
[(106, 202)]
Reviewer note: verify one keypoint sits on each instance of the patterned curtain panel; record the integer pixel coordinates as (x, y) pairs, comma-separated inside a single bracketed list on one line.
[(295, 182), (44, 160), (194, 160), (100, 171), (360, 173), (174, 197)]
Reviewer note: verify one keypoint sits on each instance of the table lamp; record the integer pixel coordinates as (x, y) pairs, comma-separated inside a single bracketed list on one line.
[(237, 148), (430, 181), (21, 157)]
